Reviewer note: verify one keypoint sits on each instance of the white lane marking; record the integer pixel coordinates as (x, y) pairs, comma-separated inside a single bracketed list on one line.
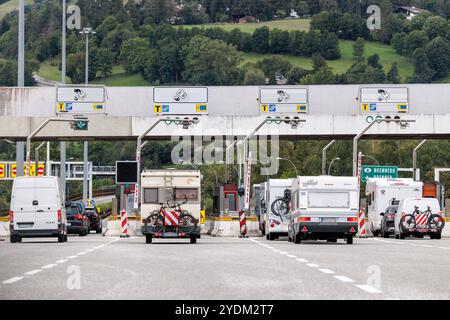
[(12, 280), (368, 288), (427, 246), (301, 260), (291, 256), (269, 247), (344, 279), (411, 244), (313, 265), (81, 253), (71, 257), (30, 273), (48, 266), (326, 271), (283, 252), (61, 261)]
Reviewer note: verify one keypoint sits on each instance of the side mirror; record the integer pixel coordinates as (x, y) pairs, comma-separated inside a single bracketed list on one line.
[(382, 214)]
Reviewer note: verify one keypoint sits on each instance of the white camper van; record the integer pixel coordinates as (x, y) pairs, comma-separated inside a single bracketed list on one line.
[(324, 208), (37, 209), (168, 199), (276, 224), (381, 191)]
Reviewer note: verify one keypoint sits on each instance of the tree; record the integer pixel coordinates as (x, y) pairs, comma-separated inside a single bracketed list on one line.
[(393, 75), (295, 74), (210, 62), (323, 76), (358, 48), (261, 40), (438, 56), (436, 26), (254, 76), (132, 54), (318, 61), (415, 39), (104, 60), (279, 41), (374, 61), (273, 67), (423, 73)]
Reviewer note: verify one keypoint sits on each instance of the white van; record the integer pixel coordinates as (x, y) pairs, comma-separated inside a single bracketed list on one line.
[(324, 208), (276, 225), (37, 209), (419, 217), (177, 187), (381, 191)]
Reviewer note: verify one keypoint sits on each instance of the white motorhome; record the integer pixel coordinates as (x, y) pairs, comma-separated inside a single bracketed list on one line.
[(170, 187), (37, 209), (276, 224), (262, 216), (381, 191), (324, 208)]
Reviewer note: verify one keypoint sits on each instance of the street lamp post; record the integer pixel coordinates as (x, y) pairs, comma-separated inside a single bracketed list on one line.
[(402, 123), (415, 158), (21, 46), (63, 44), (370, 157), (331, 164), (286, 159), (87, 32), (324, 156)]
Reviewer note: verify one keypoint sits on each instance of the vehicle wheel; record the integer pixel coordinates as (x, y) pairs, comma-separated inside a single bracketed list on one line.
[(65, 238), (271, 236), (267, 236), (193, 239), (401, 235), (349, 240), (60, 238), (263, 230), (396, 236), (148, 239), (297, 239), (384, 234), (438, 236), (13, 239), (98, 230), (331, 240), (289, 237), (376, 233)]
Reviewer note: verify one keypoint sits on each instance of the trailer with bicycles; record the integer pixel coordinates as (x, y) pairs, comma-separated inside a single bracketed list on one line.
[(171, 204), (277, 214)]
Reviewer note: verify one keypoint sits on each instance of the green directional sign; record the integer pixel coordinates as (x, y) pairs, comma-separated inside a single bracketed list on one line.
[(378, 172), (81, 125)]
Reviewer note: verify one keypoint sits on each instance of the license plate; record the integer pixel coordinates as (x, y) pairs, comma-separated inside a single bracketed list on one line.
[(69, 224), (328, 219), (25, 225)]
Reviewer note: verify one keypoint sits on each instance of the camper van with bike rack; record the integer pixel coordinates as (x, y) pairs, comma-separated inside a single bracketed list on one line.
[(171, 204), (380, 192), (324, 208), (277, 214)]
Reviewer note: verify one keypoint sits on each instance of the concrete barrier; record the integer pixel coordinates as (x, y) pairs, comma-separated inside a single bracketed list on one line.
[(229, 227), (4, 229)]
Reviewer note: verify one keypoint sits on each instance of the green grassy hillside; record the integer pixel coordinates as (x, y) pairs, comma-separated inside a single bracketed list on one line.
[(11, 5)]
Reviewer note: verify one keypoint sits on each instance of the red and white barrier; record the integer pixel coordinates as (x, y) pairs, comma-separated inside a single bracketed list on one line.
[(243, 224), (362, 232), (124, 224)]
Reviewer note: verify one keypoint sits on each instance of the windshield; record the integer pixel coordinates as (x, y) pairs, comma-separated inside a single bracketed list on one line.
[(71, 211), (328, 199)]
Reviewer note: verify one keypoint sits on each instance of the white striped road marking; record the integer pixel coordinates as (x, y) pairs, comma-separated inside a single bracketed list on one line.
[(344, 279), (71, 257), (326, 271), (313, 265), (291, 256), (61, 261), (81, 253), (12, 280), (368, 288), (283, 252), (48, 266), (30, 273), (301, 260)]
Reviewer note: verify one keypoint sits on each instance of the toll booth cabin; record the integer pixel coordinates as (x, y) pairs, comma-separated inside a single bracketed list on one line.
[(226, 200)]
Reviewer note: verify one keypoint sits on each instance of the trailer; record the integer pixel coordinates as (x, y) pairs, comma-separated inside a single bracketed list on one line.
[(381, 191), (276, 223), (171, 204), (324, 208)]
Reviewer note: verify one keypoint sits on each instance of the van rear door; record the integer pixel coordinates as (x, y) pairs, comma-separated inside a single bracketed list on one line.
[(23, 208), (47, 204)]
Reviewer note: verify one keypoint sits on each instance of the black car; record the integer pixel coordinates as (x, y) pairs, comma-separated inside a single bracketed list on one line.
[(95, 221), (77, 221), (388, 221)]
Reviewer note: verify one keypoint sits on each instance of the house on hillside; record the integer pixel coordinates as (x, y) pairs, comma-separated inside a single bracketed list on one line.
[(409, 12)]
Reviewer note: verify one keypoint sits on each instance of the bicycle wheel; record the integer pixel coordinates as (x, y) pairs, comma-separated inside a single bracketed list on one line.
[(155, 221), (279, 207), (187, 223), (408, 222), (436, 222)]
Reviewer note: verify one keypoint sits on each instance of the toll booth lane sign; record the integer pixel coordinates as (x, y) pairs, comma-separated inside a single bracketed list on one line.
[(384, 100), (283, 100), (80, 100), (378, 172), (180, 100), (2, 170)]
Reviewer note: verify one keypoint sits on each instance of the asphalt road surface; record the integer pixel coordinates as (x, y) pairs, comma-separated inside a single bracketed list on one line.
[(97, 267)]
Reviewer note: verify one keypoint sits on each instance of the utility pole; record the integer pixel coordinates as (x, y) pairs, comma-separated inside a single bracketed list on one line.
[(63, 45), (20, 145)]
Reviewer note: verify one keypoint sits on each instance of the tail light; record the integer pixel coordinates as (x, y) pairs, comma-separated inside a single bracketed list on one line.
[(84, 218), (11, 216), (78, 217), (59, 216), (274, 223), (304, 219), (353, 219)]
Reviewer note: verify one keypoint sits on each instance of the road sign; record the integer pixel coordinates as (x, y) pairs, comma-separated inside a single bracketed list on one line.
[(2, 170), (80, 125), (384, 99), (180, 100), (80, 99), (41, 169), (378, 172), (283, 100), (126, 172)]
